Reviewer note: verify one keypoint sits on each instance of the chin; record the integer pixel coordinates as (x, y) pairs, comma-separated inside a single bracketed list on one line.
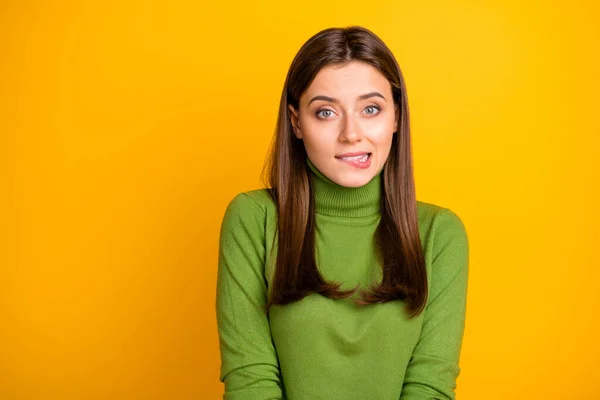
[(354, 181)]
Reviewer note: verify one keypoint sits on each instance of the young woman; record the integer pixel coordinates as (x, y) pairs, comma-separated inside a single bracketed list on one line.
[(335, 282)]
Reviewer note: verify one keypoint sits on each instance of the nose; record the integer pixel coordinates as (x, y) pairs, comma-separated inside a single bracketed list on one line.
[(351, 131)]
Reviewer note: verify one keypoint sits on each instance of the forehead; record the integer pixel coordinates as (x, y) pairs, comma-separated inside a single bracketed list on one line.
[(348, 81)]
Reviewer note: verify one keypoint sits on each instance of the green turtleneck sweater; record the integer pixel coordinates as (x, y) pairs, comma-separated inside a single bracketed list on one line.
[(318, 348)]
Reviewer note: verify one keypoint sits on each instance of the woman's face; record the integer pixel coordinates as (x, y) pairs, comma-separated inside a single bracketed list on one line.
[(347, 109)]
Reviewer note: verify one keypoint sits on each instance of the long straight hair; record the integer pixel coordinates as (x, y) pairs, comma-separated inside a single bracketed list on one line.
[(396, 238)]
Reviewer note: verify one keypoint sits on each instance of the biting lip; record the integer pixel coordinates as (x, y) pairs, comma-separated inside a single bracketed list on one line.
[(360, 153)]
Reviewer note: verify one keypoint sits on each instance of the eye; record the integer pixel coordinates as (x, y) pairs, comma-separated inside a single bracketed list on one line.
[(324, 113), (372, 110)]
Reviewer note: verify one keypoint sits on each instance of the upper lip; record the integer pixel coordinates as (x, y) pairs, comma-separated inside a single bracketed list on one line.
[(358, 153)]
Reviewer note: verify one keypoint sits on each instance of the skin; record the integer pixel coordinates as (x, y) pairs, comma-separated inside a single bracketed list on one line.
[(348, 124)]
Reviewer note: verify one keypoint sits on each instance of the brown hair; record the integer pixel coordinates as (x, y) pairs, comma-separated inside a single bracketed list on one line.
[(397, 236)]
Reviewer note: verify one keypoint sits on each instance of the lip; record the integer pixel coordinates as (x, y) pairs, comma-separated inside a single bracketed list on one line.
[(356, 163), (359, 153)]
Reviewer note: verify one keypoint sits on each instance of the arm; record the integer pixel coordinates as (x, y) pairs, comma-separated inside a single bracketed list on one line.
[(249, 365), (433, 367)]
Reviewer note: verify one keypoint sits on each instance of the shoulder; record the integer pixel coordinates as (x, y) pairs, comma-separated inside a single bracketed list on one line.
[(251, 201), (261, 198), (247, 207), (440, 224), (446, 250), (434, 213)]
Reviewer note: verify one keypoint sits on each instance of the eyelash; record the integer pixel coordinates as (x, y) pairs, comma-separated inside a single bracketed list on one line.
[(371, 106)]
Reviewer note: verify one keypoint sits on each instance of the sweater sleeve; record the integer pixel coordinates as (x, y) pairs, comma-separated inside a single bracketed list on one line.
[(249, 365), (433, 368)]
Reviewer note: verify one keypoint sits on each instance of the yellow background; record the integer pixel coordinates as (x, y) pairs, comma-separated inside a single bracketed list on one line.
[(127, 127)]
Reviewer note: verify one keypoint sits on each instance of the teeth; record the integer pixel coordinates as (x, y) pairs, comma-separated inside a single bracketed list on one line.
[(362, 158)]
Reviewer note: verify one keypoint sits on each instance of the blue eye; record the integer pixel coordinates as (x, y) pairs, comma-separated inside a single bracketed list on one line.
[(320, 115), (326, 113), (375, 109)]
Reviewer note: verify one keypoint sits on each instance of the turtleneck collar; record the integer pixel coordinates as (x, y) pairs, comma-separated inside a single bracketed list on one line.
[(341, 201)]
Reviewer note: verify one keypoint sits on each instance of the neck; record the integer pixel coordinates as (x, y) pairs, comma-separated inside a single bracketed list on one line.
[(342, 201)]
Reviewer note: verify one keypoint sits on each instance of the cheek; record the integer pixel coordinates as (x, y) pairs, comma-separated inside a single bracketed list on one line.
[(383, 126), (317, 147), (383, 144), (318, 137), (382, 139)]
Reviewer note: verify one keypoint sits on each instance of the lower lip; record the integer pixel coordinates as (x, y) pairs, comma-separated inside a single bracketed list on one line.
[(357, 163)]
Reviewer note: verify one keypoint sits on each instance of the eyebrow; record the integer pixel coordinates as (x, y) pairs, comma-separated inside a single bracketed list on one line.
[(334, 100)]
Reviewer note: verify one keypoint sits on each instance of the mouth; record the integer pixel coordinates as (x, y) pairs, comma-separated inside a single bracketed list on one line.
[(355, 157)]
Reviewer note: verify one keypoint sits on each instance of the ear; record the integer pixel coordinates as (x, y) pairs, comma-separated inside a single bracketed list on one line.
[(295, 121)]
